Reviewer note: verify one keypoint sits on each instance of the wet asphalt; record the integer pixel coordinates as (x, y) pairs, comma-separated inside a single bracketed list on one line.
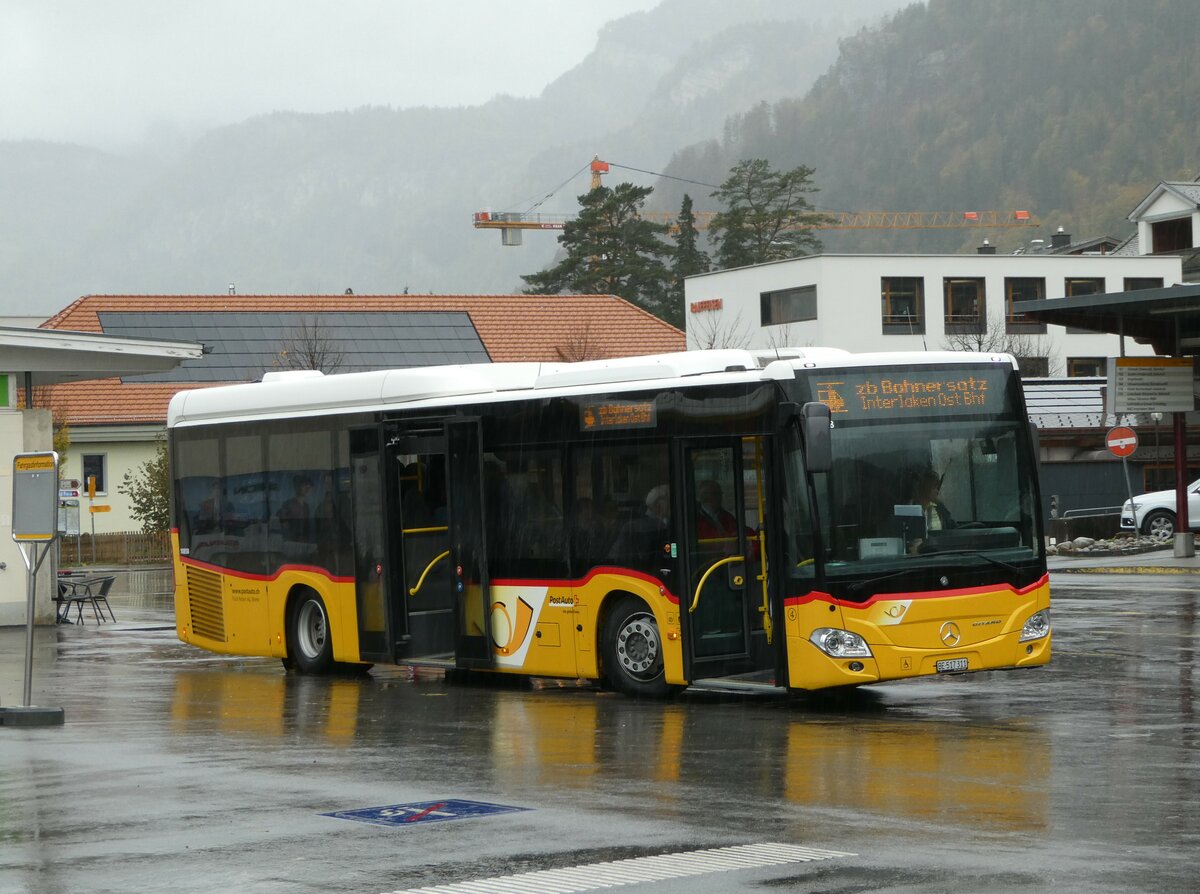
[(178, 770)]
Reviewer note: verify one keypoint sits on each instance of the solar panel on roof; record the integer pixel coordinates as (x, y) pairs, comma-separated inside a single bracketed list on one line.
[(242, 345)]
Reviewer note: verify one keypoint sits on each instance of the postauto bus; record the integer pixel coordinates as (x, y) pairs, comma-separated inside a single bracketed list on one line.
[(706, 518)]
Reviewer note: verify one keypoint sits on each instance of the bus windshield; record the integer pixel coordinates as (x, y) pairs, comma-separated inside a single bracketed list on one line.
[(912, 490)]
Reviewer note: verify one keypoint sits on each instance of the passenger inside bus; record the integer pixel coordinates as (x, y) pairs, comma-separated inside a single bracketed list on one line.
[(294, 514), (643, 542)]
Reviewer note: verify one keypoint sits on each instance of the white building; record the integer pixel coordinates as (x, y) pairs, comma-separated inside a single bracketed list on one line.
[(919, 302)]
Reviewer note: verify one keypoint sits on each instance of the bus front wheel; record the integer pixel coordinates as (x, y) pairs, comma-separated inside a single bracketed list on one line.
[(311, 646), (633, 654)]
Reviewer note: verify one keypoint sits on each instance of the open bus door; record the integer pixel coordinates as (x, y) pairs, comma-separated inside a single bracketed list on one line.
[(725, 609), (422, 597), (467, 556)]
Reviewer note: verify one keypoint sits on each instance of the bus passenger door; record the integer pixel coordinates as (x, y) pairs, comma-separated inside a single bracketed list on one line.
[(423, 600), (468, 541), (372, 563), (724, 520)]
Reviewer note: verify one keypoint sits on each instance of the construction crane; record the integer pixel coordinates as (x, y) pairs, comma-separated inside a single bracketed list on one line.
[(512, 223)]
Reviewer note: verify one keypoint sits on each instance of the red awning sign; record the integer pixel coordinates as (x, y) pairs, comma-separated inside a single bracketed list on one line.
[(1121, 441)]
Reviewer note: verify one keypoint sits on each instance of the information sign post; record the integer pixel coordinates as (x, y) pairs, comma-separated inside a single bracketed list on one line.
[(34, 524)]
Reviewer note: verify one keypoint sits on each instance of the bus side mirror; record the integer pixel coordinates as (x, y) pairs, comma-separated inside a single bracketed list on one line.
[(818, 446)]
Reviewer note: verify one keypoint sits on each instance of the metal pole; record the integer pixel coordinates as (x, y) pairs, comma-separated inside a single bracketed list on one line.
[(1128, 486), (31, 589)]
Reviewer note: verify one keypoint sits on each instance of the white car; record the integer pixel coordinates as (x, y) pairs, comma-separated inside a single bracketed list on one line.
[(1154, 513)]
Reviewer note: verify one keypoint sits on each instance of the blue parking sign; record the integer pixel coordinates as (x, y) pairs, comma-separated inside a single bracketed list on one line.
[(424, 812)]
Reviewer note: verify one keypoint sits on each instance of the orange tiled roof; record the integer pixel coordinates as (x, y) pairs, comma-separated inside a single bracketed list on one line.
[(512, 327)]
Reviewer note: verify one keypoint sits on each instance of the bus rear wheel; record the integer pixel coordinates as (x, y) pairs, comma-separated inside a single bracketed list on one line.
[(633, 655), (309, 640)]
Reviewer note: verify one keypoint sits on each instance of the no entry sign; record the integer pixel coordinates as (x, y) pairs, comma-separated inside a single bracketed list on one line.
[(1121, 441)]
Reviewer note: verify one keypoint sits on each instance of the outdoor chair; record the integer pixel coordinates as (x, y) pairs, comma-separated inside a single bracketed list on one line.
[(100, 595), (93, 591)]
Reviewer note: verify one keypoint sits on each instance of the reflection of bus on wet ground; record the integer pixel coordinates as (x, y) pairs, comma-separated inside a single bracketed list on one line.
[(711, 518)]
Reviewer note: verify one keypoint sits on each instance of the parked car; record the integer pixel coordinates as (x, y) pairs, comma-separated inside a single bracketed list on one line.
[(1154, 513)]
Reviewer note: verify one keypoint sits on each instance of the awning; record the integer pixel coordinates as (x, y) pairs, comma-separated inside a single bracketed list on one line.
[(51, 356), (1168, 319)]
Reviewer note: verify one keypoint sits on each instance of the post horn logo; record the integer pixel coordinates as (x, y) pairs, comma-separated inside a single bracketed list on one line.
[(950, 634)]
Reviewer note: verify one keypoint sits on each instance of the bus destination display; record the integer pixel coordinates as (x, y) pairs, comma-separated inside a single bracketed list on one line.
[(852, 394), (617, 414)]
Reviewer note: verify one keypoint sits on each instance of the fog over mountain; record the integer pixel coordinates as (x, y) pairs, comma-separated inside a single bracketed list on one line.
[(381, 199), (929, 106)]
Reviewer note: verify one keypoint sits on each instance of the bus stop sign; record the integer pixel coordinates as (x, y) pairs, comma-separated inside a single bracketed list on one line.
[(1121, 441), (35, 497)]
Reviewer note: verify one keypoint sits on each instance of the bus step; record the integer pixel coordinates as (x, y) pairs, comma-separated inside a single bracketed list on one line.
[(733, 684), (442, 661)]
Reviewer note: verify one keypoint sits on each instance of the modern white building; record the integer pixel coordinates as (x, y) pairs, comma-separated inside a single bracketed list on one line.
[(920, 302)]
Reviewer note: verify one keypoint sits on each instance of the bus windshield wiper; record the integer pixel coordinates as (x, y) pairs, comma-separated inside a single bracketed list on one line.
[(859, 586), (977, 554)]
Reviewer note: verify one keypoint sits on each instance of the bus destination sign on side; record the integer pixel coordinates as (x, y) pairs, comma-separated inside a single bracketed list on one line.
[(852, 394), (617, 414)]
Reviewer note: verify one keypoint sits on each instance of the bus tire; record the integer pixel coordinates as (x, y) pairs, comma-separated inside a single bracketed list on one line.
[(632, 650), (310, 643)]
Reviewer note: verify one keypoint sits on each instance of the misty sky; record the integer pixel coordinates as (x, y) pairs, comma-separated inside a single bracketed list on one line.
[(105, 72)]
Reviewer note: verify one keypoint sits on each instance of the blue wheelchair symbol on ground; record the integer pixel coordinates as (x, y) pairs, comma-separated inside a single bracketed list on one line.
[(424, 812)]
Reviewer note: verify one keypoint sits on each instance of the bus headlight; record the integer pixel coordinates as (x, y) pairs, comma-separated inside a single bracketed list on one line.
[(840, 643), (1036, 627)]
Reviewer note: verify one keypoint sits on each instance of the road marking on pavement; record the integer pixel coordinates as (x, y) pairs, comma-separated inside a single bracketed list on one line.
[(595, 876), (424, 812)]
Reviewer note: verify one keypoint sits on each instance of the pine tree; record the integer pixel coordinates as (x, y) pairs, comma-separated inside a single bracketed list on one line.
[(611, 249), (767, 216), (687, 258)]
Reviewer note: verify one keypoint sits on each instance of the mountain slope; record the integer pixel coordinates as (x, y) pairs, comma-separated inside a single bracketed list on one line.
[(1073, 109)]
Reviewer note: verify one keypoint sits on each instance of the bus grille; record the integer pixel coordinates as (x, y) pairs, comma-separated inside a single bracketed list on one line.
[(204, 600)]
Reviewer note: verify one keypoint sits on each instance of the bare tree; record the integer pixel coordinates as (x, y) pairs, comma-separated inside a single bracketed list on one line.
[(580, 344), (711, 330), (309, 347), (1032, 350), (781, 337)]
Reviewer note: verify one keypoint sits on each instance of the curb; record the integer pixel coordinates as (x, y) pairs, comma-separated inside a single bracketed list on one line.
[(1125, 569)]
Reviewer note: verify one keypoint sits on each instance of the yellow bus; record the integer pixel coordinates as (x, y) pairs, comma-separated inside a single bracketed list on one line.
[(722, 519)]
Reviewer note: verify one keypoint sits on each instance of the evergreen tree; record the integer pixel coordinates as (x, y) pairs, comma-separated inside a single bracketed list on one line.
[(766, 215), (687, 258), (611, 249)]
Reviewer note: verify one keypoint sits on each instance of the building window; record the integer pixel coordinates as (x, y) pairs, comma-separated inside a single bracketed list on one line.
[(1086, 366), (1074, 288), (1171, 235), (965, 306), (1023, 289), (1034, 367), (1161, 476), (789, 305), (1138, 283), (903, 304), (94, 464)]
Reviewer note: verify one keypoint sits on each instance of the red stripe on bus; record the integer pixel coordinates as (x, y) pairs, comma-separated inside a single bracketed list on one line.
[(247, 575), (817, 596), (580, 582)]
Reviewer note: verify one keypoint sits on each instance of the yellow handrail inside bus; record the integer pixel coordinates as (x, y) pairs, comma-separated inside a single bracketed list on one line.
[(711, 568), (765, 608), (424, 574), (440, 530)]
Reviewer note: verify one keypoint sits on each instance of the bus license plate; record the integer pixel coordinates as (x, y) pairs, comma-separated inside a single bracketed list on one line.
[(951, 665)]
